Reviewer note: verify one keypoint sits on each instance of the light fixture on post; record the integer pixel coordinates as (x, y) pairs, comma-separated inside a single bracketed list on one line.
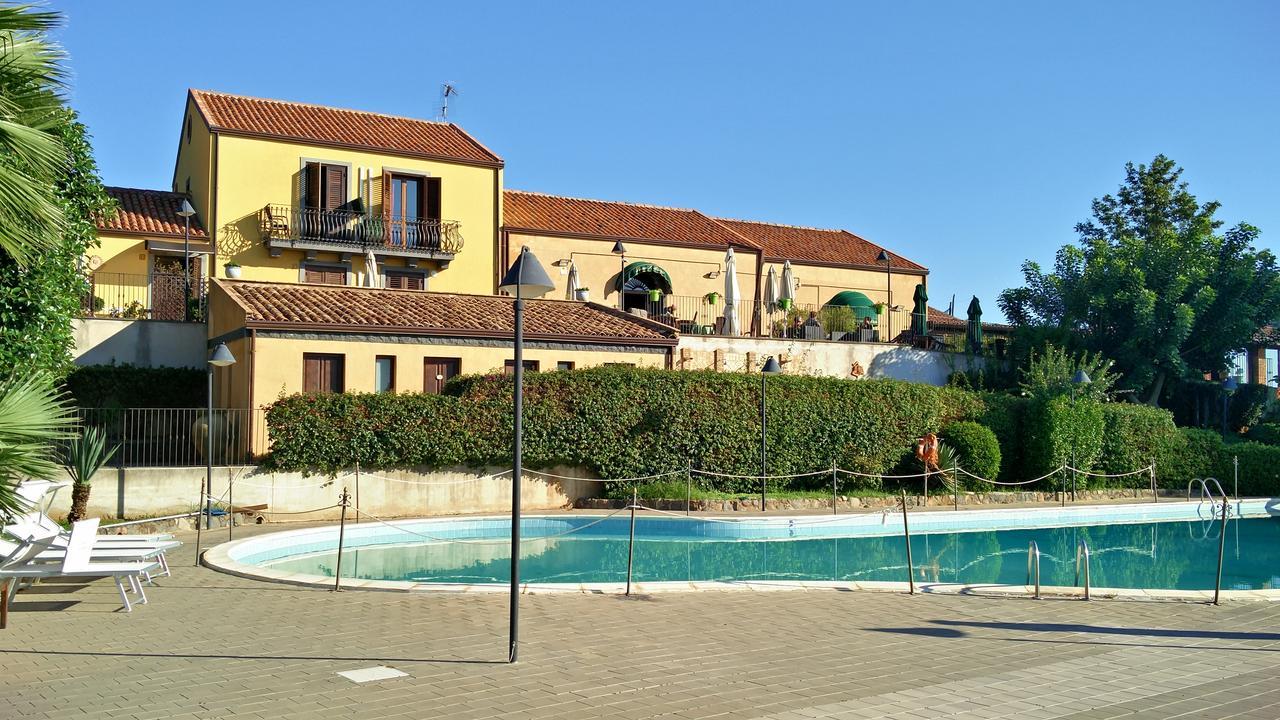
[(1079, 380), (525, 278), (185, 212), (621, 251), (221, 357), (888, 291), (771, 367), (1229, 387)]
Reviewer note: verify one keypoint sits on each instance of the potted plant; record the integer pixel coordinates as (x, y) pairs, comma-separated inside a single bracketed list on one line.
[(880, 308), (233, 269), (85, 456), (583, 294), (655, 295), (712, 298), (785, 303)]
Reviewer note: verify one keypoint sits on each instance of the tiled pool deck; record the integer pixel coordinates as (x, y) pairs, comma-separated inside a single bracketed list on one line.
[(212, 645)]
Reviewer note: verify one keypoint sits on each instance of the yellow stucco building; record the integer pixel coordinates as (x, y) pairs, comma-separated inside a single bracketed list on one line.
[(351, 250)]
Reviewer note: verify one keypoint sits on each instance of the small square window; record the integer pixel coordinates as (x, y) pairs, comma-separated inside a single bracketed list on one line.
[(565, 365)]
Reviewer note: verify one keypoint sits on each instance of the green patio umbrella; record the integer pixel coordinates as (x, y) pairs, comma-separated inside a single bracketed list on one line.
[(920, 313), (973, 330)]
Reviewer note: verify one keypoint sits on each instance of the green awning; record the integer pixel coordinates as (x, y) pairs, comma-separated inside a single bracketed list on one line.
[(646, 268)]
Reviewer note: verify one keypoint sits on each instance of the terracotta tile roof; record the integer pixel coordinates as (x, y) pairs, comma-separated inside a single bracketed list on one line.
[(943, 320), (438, 314), (149, 212), (334, 126), (798, 244), (628, 221)]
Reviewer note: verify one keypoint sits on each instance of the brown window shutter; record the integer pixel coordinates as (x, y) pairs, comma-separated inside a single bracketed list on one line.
[(311, 185), (395, 281), (335, 186), (433, 201)]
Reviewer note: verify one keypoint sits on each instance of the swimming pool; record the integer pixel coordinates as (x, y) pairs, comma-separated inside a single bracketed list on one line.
[(1168, 546)]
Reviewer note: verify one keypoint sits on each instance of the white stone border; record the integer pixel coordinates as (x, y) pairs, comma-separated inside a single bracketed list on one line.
[(219, 558)]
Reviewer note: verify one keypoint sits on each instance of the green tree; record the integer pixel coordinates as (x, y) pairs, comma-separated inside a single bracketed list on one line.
[(1152, 284)]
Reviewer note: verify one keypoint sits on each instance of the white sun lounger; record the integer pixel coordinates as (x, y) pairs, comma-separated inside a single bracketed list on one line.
[(39, 525), (76, 562)]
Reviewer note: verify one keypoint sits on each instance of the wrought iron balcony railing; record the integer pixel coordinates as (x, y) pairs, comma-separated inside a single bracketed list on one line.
[(351, 229)]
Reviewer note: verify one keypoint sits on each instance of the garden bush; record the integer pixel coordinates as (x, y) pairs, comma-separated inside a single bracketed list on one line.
[(1061, 432), (1247, 405), (1259, 469), (1195, 455), (624, 422), (977, 449), (1267, 433), (1005, 416), (120, 386), (1134, 437)]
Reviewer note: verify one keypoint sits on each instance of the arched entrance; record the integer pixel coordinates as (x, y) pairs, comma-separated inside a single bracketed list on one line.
[(640, 281)]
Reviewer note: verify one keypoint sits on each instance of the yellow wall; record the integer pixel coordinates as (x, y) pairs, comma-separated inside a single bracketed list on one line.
[(278, 365), (195, 162), (818, 284), (121, 254), (598, 268), (253, 173)]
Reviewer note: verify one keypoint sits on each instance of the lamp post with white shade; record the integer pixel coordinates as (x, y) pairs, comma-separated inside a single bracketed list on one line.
[(1079, 380), (525, 278), (621, 251), (221, 357), (185, 212), (771, 367), (888, 291)]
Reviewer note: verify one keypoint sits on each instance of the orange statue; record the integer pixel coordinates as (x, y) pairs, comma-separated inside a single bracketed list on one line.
[(927, 452)]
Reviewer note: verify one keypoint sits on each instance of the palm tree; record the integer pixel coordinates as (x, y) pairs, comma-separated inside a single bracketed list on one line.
[(32, 418), (31, 155)]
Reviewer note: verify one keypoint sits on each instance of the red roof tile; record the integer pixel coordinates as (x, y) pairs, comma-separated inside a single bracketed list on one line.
[(437, 314), (149, 212), (601, 218), (334, 126), (798, 244)]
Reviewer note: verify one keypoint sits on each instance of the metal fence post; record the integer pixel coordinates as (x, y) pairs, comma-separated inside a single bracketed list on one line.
[(357, 488), (1235, 475), (835, 493), (631, 542), (343, 500), (199, 521), (955, 486), (1062, 485), (231, 508), (688, 488), (1222, 542), (906, 535)]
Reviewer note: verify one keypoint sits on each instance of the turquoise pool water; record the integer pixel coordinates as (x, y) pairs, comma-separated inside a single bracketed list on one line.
[(1177, 555)]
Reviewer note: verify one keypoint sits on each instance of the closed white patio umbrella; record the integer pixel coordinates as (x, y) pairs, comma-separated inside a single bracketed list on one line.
[(732, 293), (788, 283), (371, 270), (573, 281), (771, 291)]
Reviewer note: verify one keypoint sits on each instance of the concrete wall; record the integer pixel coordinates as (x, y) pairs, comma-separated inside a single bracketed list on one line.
[(141, 492), (147, 343), (818, 357)]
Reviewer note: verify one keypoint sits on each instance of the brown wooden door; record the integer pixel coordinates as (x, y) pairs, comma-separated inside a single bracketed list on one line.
[(168, 283), (437, 371), (323, 373)]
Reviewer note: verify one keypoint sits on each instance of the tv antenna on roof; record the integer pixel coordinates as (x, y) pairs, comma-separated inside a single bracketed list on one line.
[(448, 90)]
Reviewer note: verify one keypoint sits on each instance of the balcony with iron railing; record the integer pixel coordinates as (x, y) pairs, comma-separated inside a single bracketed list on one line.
[(302, 228), (157, 296)]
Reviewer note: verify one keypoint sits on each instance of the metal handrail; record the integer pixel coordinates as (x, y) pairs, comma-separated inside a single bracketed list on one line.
[(1033, 562), (1206, 494), (1082, 552)]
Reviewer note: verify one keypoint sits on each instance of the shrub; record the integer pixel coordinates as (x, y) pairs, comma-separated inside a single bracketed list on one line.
[(623, 422), (1267, 433), (977, 449), (1005, 415), (1247, 405), (107, 386), (1135, 436), (1195, 455), (1259, 469), (1061, 432)]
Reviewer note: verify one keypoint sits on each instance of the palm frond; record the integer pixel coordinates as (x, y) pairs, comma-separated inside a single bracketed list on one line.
[(32, 418)]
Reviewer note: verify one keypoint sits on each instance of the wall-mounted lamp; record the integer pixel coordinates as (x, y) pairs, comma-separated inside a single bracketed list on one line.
[(712, 275), (562, 262)]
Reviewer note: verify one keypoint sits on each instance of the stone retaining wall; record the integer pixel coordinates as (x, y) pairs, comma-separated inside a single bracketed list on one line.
[(846, 502)]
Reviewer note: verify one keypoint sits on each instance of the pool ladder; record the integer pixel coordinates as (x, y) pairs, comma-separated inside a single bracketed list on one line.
[(1206, 494), (1083, 556)]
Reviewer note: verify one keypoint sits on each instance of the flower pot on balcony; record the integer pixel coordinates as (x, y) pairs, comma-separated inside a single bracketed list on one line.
[(712, 298), (655, 295), (583, 294), (233, 270), (785, 303)]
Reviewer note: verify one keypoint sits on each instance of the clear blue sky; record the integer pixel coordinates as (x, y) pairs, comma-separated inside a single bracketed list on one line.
[(966, 136)]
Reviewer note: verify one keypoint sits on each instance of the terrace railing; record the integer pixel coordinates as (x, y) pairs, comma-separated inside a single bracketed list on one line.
[(176, 437), (158, 296), (360, 230)]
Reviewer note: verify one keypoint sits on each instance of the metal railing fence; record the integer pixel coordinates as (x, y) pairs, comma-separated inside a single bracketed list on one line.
[(138, 296), (176, 437), (353, 228)]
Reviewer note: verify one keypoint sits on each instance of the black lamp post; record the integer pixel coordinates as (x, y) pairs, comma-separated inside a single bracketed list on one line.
[(221, 357), (621, 251), (1079, 380), (1229, 387), (185, 212), (525, 278), (888, 291), (771, 367)]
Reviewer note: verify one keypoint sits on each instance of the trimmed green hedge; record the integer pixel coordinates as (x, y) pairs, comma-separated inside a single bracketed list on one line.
[(978, 450), (622, 422), (1267, 433), (1006, 415), (1060, 432), (1134, 437), (124, 386)]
